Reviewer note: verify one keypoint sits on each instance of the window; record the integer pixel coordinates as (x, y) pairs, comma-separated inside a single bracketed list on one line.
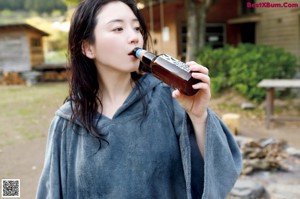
[(247, 31), (36, 45), (215, 35), (36, 42)]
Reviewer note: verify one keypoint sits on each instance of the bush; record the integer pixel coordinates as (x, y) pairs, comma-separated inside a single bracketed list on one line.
[(58, 40), (244, 66)]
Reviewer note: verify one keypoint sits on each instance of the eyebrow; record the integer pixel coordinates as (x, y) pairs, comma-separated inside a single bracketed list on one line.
[(120, 20)]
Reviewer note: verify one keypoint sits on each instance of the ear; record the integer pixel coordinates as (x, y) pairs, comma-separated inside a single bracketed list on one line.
[(87, 49)]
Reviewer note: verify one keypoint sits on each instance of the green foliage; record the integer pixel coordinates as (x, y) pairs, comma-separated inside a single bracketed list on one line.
[(244, 66), (39, 6), (53, 57), (58, 40), (11, 17), (11, 4), (72, 2)]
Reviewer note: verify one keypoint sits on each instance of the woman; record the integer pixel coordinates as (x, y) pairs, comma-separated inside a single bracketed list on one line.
[(123, 133)]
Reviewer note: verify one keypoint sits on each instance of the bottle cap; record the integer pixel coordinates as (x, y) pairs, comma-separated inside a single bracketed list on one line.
[(137, 52)]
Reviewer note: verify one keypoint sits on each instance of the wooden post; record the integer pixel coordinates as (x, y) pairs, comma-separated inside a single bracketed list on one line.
[(269, 106)]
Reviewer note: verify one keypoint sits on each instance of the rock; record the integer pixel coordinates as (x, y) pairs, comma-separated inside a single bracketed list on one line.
[(264, 155), (243, 140), (293, 152), (247, 105), (282, 191), (267, 142), (247, 189), (31, 77)]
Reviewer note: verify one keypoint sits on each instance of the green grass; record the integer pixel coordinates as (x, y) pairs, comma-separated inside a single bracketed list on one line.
[(26, 112), (56, 57)]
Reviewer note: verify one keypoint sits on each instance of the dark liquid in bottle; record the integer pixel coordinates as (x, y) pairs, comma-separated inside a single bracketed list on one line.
[(169, 70)]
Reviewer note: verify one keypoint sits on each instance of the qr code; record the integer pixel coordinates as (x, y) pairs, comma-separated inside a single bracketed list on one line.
[(10, 188)]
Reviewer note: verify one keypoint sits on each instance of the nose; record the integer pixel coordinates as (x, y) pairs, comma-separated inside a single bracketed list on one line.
[(133, 37)]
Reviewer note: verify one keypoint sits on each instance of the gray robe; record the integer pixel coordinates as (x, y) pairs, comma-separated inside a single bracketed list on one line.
[(149, 155)]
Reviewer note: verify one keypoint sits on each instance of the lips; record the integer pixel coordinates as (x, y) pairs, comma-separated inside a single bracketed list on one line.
[(132, 52)]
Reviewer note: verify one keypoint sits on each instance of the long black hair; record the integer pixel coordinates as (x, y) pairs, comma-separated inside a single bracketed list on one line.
[(84, 86)]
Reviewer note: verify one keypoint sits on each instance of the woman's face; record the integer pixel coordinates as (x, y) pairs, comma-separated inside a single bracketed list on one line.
[(117, 32)]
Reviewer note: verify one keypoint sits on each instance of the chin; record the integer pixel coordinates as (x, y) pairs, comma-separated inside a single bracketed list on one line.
[(134, 68)]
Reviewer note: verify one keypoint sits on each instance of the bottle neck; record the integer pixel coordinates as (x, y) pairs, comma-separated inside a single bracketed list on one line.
[(147, 58), (143, 55)]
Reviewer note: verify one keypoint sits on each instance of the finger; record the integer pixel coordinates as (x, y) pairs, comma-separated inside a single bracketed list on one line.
[(197, 67), (201, 86), (191, 63), (203, 77)]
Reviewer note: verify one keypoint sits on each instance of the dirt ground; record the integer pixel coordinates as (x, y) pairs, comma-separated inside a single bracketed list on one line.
[(24, 159), (279, 184)]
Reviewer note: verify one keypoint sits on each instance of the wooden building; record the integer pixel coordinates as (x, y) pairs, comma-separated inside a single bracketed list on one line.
[(275, 23), (21, 47), (228, 22)]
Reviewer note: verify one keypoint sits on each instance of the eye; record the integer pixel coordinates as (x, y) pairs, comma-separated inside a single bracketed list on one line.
[(138, 29), (119, 29)]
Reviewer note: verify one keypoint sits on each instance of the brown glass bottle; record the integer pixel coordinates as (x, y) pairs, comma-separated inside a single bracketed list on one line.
[(169, 70)]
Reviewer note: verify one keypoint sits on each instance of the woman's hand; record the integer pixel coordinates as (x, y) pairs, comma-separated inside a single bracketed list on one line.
[(196, 105)]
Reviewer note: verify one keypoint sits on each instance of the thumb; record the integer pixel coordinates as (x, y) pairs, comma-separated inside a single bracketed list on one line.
[(176, 94), (180, 97)]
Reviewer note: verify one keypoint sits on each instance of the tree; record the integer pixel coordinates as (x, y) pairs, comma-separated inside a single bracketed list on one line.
[(39, 6), (196, 24), (71, 2), (11, 4)]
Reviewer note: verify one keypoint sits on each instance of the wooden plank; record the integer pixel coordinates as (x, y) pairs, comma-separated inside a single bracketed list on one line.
[(270, 85), (291, 119), (53, 66), (280, 83)]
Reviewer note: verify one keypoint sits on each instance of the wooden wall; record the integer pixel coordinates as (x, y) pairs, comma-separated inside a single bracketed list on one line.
[(14, 52), (279, 27), (164, 32), (21, 47), (35, 42)]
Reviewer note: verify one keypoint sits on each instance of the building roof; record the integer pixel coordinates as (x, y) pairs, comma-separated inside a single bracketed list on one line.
[(22, 26)]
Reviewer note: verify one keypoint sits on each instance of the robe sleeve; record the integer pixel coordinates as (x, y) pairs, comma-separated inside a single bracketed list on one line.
[(50, 183), (223, 160), (215, 176)]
